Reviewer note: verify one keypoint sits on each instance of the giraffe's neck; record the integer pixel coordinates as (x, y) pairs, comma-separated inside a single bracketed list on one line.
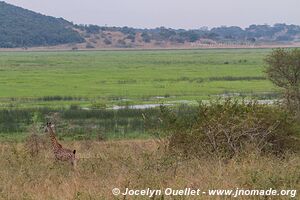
[(55, 145)]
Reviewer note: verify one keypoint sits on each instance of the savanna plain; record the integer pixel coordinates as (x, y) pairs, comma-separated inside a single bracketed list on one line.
[(201, 119)]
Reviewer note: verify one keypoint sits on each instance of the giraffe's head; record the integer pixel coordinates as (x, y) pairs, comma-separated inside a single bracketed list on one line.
[(48, 126)]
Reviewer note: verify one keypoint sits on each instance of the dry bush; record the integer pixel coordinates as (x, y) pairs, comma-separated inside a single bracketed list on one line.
[(35, 142), (225, 129)]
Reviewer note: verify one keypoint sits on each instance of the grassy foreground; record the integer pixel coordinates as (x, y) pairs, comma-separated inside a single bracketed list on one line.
[(136, 164)]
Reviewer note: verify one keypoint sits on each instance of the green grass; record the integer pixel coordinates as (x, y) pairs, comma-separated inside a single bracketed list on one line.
[(109, 76)]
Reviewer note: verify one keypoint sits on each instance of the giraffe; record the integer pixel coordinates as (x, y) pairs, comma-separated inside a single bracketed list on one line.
[(60, 153)]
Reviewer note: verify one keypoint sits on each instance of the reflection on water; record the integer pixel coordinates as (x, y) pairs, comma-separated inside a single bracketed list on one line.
[(144, 106)]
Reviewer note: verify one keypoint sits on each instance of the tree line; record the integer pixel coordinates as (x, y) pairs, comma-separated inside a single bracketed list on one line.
[(253, 33)]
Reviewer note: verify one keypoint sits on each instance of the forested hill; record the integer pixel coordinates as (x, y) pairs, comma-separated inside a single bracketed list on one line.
[(23, 28)]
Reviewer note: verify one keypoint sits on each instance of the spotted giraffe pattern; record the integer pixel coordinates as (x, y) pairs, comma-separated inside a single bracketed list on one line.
[(60, 153)]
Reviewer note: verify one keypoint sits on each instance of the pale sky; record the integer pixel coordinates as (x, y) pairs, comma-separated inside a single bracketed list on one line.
[(188, 14)]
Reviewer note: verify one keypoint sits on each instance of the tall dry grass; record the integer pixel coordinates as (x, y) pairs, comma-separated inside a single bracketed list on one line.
[(135, 164)]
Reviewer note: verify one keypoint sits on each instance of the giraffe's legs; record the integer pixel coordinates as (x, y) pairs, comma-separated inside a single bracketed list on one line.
[(74, 163)]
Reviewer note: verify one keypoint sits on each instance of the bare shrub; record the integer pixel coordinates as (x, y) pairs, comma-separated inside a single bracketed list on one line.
[(34, 142), (228, 128), (101, 136)]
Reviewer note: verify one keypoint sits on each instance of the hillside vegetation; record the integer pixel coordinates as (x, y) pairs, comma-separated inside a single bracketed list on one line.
[(162, 37), (24, 28)]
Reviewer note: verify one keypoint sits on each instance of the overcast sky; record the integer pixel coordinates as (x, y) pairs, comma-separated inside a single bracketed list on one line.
[(186, 14)]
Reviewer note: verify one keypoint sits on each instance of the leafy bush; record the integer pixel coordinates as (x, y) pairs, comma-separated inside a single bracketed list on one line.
[(229, 128), (284, 71)]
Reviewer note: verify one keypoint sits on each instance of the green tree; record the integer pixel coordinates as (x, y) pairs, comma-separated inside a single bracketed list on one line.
[(146, 37), (283, 70)]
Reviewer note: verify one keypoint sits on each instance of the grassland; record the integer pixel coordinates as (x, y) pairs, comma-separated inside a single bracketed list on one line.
[(107, 78), (136, 164), (54, 81)]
